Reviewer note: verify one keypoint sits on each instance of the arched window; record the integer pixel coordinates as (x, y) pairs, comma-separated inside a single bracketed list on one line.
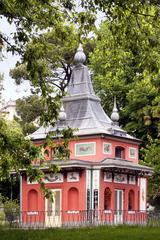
[(32, 200), (73, 199), (131, 200), (119, 152), (107, 199)]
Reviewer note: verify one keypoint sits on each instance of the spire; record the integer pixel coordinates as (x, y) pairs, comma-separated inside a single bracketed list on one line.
[(80, 82), (83, 110), (115, 114)]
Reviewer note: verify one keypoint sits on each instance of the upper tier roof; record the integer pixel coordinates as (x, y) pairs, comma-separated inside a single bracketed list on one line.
[(83, 108)]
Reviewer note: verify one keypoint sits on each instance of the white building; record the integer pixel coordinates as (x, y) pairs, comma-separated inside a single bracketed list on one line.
[(8, 110)]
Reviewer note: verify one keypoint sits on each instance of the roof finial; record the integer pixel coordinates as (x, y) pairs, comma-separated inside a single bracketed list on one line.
[(79, 57), (115, 114), (62, 115)]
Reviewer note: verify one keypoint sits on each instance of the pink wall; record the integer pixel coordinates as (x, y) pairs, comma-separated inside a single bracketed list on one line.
[(65, 186), (99, 156), (125, 187)]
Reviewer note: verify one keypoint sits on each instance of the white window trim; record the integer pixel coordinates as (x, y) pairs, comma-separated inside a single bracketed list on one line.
[(71, 180), (110, 148), (132, 182), (133, 148), (79, 155)]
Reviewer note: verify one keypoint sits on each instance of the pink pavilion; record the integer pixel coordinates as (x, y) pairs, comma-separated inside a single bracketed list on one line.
[(102, 182)]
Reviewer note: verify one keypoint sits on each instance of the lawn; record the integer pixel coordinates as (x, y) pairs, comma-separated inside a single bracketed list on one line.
[(97, 233)]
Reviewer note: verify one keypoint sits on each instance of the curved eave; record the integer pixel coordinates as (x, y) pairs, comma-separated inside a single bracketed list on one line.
[(119, 165), (110, 164), (103, 135)]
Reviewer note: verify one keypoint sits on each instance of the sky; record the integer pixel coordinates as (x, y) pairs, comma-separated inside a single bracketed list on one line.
[(11, 91)]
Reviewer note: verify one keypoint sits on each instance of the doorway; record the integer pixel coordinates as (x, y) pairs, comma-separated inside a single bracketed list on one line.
[(53, 209), (118, 215)]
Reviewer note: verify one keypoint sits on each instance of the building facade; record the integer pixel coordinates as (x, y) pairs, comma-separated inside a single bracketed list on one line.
[(8, 110), (102, 182)]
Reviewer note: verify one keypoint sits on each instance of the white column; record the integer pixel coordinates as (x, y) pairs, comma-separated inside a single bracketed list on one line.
[(143, 193), (96, 187)]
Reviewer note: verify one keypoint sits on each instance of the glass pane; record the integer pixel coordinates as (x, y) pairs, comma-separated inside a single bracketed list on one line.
[(49, 207), (118, 152), (115, 200), (120, 200), (88, 199), (57, 203), (95, 199)]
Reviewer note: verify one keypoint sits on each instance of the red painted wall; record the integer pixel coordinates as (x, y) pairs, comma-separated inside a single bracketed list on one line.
[(99, 156), (125, 187), (65, 186)]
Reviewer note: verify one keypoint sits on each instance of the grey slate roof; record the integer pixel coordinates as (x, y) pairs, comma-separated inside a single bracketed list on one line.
[(106, 164), (124, 164), (83, 109)]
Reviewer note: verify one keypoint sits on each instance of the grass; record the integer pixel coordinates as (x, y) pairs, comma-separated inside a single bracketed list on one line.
[(97, 233)]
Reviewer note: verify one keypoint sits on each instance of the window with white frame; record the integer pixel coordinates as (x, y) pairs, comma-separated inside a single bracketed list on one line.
[(85, 149), (132, 152), (107, 148)]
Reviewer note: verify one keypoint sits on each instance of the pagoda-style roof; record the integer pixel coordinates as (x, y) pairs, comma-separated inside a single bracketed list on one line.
[(108, 164), (121, 164), (83, 108)]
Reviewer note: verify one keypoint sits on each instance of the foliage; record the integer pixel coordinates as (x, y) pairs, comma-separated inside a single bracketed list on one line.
[(16, 152), (151, 157), (9, 187), (11, 206), (29, 17), (126, 64), (48, 57), (44, 29), (11, 209), (29, 109)]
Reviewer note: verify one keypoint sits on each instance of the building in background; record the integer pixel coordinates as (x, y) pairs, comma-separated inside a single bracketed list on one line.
[(8, 110), (102, 182)]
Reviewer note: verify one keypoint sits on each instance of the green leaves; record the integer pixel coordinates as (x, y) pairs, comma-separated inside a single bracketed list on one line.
[(29, 110), (126, 64), (16, 152)]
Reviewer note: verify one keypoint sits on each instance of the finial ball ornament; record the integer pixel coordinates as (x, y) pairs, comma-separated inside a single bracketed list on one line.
[(62, 115), (115, 116), (79, 57)]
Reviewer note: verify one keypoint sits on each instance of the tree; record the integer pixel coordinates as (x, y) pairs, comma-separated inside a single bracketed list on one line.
[(48, 58), (29, 109), (16, 152), (151, 157), (126, 64), (47, 64), (29, 17), (34, 17)]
